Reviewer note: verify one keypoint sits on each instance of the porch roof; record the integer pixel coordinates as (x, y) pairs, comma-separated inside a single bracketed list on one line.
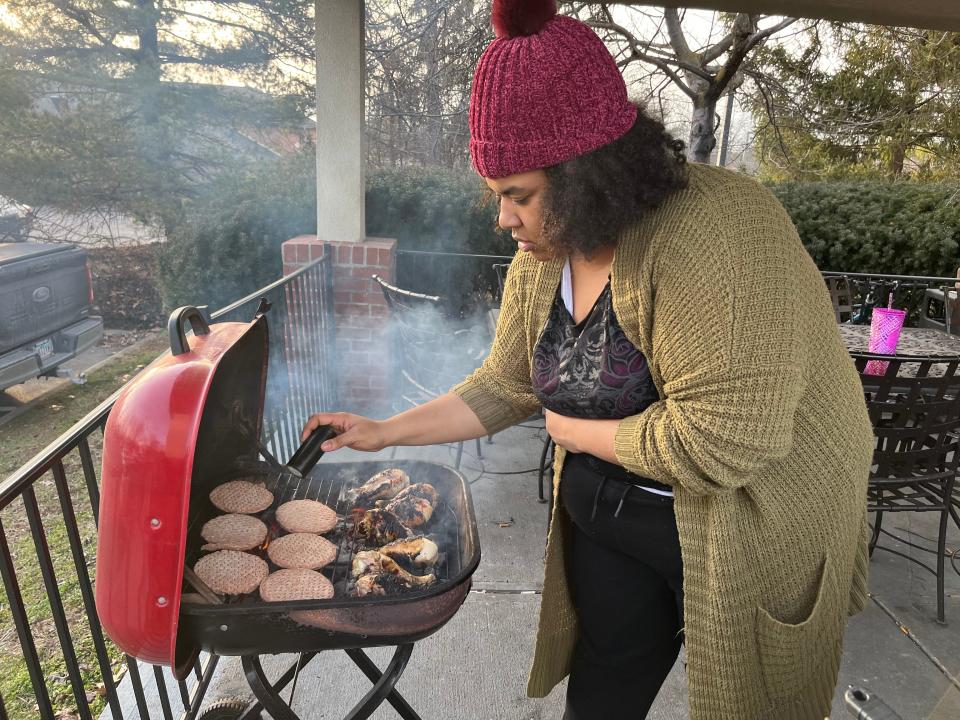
[(933, 14)]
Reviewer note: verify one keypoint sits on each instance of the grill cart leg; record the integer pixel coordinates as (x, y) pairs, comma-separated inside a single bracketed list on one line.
[(388, 678), (383, 689), (267, 694), (864, 705)]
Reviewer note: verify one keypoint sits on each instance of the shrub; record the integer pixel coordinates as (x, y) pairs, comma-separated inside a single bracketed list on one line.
[(876, 227), (125, 286), (433, 209), (441, 210), (229, 243)]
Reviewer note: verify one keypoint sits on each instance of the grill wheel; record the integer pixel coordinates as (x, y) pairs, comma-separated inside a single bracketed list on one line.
[(230, 709)]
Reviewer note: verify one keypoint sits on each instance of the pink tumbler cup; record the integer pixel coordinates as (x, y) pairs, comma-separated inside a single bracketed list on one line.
[(885, 329)]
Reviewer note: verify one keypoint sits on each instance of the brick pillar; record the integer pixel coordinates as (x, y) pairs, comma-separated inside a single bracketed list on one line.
[(363, 350)]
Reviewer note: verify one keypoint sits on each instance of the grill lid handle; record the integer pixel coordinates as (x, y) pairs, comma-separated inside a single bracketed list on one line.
[(263, 308), (178, 335)]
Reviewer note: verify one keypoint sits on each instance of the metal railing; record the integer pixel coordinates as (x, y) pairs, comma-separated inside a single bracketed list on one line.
[(871, 290), (59, 493), (466, 281), (469, 281)]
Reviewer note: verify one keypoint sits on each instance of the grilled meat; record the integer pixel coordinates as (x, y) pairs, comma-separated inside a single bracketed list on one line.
[(382, 486), (373, 572), (366, 562), (419, 550), (414, 505), (380, 527), (389, 565), (371, 584)]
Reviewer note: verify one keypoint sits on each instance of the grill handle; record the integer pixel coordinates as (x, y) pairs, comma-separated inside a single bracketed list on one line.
[(175, 326), (309, 451)]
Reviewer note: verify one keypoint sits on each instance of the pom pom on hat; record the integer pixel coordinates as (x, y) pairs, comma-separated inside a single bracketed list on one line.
[(515, 18)]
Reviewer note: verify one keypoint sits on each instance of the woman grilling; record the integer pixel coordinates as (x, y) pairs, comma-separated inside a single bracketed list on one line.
[(713, 444)]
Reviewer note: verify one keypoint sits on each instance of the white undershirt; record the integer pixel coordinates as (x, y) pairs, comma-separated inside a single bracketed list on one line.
[(566, 294)]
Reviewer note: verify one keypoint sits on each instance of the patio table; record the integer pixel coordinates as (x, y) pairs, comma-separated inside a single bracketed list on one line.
[(913, 343), (924, 342)]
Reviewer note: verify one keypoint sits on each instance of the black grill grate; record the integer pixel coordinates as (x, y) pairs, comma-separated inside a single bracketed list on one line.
[(329, 483)]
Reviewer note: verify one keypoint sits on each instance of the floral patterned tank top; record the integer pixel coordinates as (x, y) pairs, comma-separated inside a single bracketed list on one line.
[(591, 370)]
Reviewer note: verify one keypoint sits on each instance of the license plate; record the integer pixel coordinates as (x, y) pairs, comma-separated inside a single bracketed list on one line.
[(44, 348)]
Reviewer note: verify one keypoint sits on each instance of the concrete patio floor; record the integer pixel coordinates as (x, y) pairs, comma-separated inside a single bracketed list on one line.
[(474, 668)]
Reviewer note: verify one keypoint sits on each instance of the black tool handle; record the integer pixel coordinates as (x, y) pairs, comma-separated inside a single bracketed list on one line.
[(309, 451), (175, 326)]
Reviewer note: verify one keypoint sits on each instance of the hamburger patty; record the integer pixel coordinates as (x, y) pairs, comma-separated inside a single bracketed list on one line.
[(233, 532), (302, 550), (306, 516), (230, 572), (241, 496), (296, 584)]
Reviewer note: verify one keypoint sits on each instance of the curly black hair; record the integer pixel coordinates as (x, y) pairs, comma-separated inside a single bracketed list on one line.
[(590, 199)]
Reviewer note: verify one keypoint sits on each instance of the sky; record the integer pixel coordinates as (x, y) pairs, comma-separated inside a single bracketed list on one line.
[(701, 28), (8, 18)]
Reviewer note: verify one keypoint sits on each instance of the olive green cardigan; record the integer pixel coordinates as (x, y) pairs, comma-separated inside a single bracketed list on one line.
[(761, 430)]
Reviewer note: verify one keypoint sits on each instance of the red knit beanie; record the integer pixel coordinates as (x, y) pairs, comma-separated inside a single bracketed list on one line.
[(545, 90)]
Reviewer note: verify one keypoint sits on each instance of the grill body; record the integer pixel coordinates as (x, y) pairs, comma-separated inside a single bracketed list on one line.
[(193, 420), (253, 626)]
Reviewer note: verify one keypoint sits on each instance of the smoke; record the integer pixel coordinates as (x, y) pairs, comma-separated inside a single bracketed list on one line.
[(432, 351), (380, 365)]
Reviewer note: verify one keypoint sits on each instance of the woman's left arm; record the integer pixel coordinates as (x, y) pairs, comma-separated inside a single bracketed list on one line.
[(583, 435)]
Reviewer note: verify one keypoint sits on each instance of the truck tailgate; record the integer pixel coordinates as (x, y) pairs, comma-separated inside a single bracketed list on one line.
[(41, 293)]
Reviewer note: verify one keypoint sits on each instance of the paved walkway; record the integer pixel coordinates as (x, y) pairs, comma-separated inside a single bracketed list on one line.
[(474, 668)]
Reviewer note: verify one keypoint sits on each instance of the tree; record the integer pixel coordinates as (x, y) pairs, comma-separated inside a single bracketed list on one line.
[(703, 69), (861, 100), (420, 60), (97, 112)]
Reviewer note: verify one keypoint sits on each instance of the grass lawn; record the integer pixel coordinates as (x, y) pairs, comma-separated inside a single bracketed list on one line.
[(20, 440)]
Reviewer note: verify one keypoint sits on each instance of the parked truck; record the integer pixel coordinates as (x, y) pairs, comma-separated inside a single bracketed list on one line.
[(46, 309)]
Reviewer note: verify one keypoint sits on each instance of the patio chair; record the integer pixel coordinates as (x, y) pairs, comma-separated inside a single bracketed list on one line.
[(933, 300), (434, 353), (501, 270), (841, 296), (914, 405)]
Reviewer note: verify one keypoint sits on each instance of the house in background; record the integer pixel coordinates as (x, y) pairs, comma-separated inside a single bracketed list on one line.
[(230, 120)]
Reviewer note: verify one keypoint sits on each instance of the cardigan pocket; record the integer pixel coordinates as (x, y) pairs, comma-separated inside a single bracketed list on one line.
[(796, 657)]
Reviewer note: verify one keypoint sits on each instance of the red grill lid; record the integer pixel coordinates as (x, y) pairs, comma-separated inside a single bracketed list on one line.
[(183, 417)]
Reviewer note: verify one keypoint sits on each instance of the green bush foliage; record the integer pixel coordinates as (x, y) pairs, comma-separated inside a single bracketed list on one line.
[(434, 209), (876, 227), (229, 244), (445, 211)]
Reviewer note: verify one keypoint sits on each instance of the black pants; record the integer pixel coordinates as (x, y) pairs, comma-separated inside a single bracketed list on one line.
[(627, 578)]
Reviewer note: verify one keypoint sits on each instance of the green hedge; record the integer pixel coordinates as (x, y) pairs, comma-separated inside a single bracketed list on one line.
[(440, 210), (875, 227), (230, 243), (433, 209)]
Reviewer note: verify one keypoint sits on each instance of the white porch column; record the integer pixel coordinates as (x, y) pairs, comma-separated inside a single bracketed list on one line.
[(340, 101)]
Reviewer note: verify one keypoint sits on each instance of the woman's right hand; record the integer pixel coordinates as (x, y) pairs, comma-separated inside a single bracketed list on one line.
[(353, 431)]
